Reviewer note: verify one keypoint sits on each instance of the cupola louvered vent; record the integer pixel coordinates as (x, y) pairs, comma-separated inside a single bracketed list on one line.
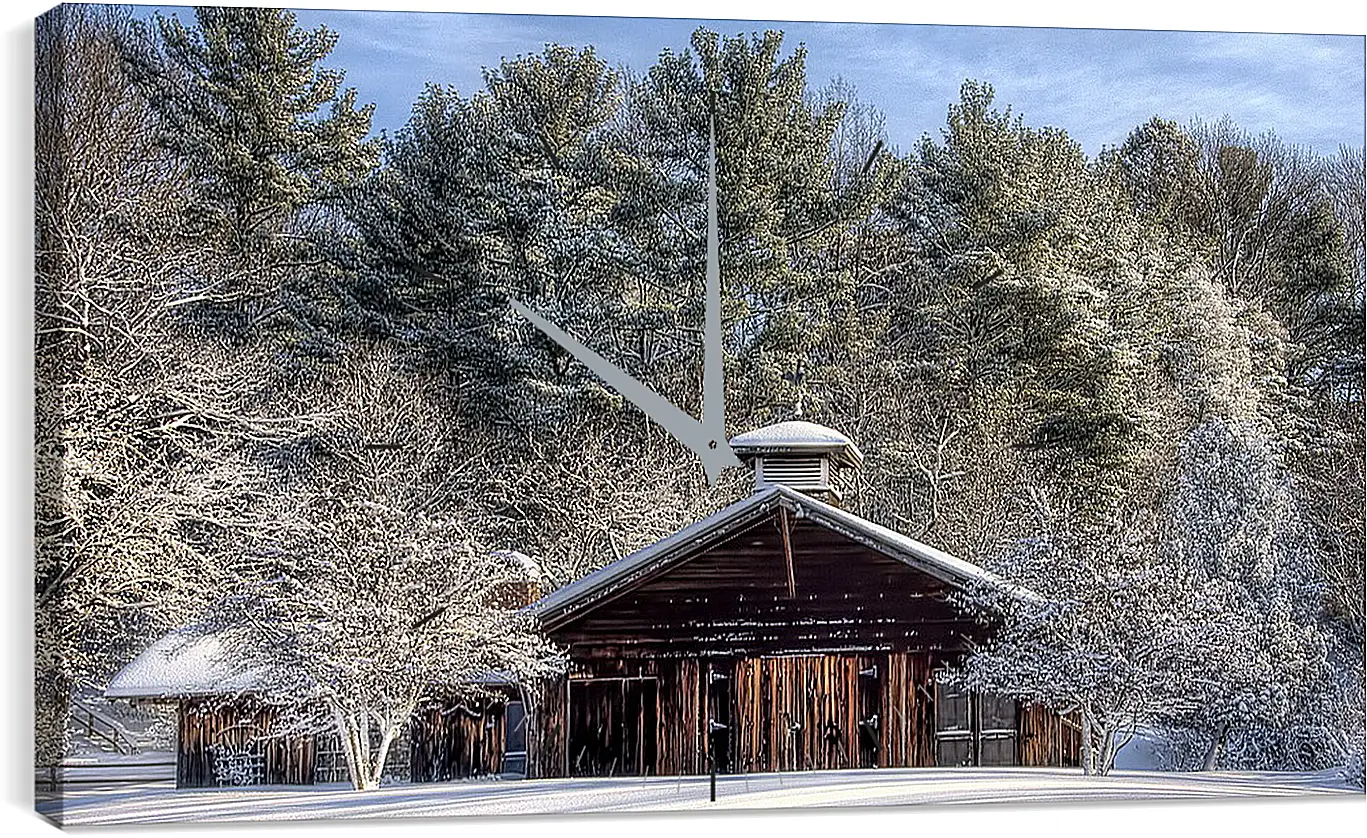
[(800, 473)]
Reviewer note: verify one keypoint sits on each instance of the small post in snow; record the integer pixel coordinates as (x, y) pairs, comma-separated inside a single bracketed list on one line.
[(713, 728)]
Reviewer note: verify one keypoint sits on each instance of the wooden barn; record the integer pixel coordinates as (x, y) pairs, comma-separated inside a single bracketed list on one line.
[(781, 633)]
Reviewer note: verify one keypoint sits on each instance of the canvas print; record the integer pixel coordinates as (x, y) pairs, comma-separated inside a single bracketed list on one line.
[(466, 414)]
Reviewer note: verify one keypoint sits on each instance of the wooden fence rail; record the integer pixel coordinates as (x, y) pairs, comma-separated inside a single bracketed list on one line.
[(52, 777)]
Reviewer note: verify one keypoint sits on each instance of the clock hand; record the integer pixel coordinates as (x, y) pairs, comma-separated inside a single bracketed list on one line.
[(707, 438), (713, 386)]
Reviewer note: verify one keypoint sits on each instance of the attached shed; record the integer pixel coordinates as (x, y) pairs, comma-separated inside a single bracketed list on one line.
[(227, 734), (781, 633)]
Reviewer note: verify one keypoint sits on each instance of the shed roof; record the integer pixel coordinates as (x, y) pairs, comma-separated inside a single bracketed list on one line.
[(185, 662), (190, 662)]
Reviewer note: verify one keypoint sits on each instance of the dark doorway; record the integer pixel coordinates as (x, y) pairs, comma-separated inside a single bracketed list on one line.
[(613, 726), (720, 719), (870, 712), (515, 738)]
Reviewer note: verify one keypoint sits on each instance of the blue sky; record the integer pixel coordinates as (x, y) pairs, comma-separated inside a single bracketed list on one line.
[(1097, 84)]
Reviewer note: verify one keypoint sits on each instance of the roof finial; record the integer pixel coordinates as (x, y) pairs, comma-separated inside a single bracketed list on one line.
[(795, 378)]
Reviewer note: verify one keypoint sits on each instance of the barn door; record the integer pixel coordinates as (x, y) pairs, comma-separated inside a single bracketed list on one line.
[(720, 720), (996, 730), (613, 726), (640, 724), (973, 728), (953, 727), (870, 692)]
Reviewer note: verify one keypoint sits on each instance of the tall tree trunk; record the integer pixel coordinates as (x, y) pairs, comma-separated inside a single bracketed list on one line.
[(376, 768), (1217, 743), (346, 731), (1088, 757), (1108, 750)]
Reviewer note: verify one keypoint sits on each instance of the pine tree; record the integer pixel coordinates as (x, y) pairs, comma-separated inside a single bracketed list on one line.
[(269, 135)]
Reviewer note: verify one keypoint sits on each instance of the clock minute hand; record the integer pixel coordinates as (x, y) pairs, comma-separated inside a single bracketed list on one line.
[(713, 385), (716, 454)]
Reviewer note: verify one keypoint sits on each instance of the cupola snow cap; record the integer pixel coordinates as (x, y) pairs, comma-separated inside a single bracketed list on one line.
[(798, 438)]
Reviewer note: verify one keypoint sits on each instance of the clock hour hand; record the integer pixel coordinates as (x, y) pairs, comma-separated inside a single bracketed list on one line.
[(713, 449)]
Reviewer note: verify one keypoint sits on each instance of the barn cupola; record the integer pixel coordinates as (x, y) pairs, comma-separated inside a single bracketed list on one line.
[(801, 455)]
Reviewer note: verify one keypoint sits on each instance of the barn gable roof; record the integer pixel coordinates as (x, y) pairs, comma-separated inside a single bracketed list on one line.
[(582, 595)]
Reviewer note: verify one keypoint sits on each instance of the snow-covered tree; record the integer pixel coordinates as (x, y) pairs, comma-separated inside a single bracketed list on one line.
[(373, 593), (144, 423), (1102, 631), (373, 610), (266, 131), (1234, 522)]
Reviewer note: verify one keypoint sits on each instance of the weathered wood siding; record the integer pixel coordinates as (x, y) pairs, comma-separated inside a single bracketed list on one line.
[(822, 662), (211, 732), (1047, 738), (547, 715), (733, 599), (670, 731), (796, 713), (908, 712), (683, 745), (783, 713), (453, 739), (442, 741)]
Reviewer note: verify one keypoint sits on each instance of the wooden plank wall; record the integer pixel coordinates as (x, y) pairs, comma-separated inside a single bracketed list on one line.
[(453, 739), (835, 711), (682, 747), (797, 713), (908, 713), (206, 725), (733, 600), (1046, 738), (785, 713), (547, 729)]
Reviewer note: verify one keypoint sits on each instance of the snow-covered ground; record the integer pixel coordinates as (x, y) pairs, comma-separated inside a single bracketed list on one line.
[(161, 803)]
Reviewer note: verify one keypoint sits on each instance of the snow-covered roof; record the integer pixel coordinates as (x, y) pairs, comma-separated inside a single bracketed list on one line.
[(191, 662), (943, 566), (796, 436), (526, 563), (185, 662), (493, 678)]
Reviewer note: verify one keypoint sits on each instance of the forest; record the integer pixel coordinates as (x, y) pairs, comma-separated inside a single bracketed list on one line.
[(279, 384)]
